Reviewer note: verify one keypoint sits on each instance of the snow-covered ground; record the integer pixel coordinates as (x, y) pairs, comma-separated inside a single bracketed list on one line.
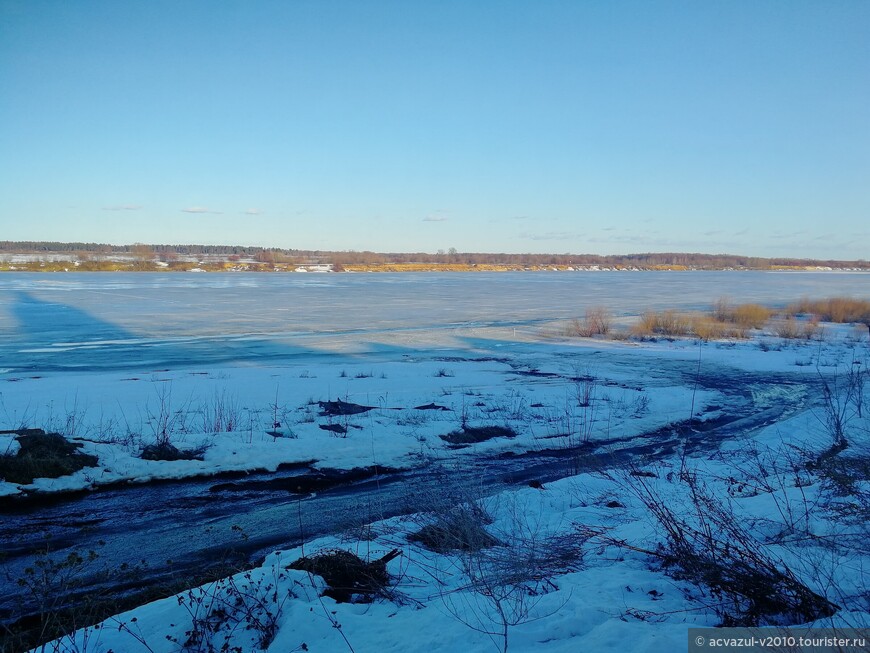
[(247, 418), (586, 568), (257, 417)]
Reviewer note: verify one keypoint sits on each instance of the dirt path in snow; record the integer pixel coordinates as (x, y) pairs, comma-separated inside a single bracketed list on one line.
[(148, 538)]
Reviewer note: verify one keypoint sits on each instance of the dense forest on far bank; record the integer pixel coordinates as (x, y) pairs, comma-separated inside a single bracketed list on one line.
[(99, 256)]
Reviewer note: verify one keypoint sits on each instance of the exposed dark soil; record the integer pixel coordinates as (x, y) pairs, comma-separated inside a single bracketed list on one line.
[(332, 408), (43, 455), (475, 434), (431, 407)]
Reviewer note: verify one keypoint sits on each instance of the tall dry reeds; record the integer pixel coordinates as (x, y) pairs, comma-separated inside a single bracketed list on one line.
[(751, 316), (748, 316), (664, 323), (833, 309)]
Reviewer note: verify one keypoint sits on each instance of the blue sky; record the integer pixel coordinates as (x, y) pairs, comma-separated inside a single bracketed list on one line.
[(539, 126)]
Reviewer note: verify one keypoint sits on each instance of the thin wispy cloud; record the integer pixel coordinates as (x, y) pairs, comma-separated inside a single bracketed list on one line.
[(200, 209), (123, 207), (253, 212), (435, 218), (549, 235), (801, 234)]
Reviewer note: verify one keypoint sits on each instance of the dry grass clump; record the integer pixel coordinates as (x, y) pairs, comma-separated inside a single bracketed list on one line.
[(751, 316), (708, 328), (748, 316), (664, 323), (833, 309), (729, 320), (726, 321)]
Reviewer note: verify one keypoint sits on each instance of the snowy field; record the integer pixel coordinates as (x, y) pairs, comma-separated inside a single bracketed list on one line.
[(257, 417), (621, 559)]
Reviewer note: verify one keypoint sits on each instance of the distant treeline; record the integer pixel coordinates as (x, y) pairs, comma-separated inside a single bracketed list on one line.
[(271, 255), (48, 247), (695, 261)]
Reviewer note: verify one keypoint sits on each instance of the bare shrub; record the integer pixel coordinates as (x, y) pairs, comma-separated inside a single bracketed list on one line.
[(227, 614), (507, 581), (710, 546), (46, 583), (596, 322), (792, 328), (803, 485), (458, 529), (775, 472), (165, 420), (723, 310), (223, 414), (582, 419), (811, 329), (843, 396)]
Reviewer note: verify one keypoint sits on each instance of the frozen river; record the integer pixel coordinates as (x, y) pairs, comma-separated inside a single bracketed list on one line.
[(101, 321), (199, 343)]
